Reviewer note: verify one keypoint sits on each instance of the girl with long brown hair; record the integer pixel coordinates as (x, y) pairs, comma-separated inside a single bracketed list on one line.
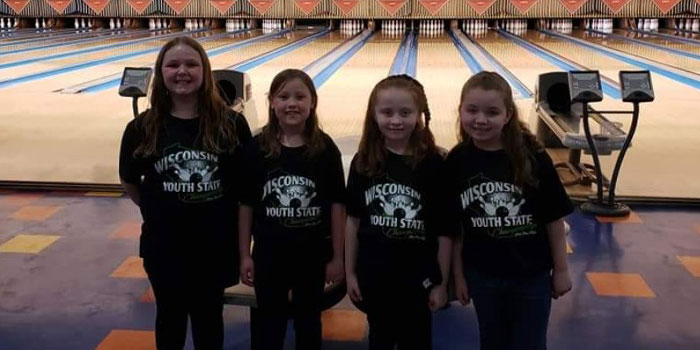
[(178, 162), (293, 205), (510, 203), (397, 256)]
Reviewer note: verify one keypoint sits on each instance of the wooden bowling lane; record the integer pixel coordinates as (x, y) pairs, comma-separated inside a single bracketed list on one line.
[(666, 127), (656, 54), (659, 40), (261, 76), (69, 137), (83, 75), (343, 97), (525, 65), (70, 38), (43, 66), (442, 71), (14, 57)]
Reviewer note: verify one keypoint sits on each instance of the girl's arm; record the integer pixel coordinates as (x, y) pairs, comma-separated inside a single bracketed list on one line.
[(133, 191), (334, 269), (351, 242), (561, 281), (438, 295), (245, 222), (461, 288)]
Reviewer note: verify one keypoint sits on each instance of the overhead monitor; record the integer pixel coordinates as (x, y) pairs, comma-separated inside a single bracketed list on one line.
[(584, 86), (636, 86), (135, 81)]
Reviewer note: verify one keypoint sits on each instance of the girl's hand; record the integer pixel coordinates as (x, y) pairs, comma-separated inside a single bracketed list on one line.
[(561, 283), (353, 288), (335, 271), (462, 290), (247, 271), (437, 298)]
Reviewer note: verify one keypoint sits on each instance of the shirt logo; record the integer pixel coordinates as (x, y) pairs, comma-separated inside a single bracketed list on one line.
[(289, 198), (395, 208), (495, 207), (192, 174)]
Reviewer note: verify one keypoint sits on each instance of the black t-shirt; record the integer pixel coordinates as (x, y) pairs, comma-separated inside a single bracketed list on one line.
[(291, 196), (504, 225), (399, 212), (188, 199)]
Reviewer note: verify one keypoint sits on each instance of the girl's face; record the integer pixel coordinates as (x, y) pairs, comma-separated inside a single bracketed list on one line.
[(292, 104), (182, 71), (483, 115), (396, 113)]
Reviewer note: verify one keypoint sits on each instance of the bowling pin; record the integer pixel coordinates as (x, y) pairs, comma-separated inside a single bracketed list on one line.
[(696, 25)]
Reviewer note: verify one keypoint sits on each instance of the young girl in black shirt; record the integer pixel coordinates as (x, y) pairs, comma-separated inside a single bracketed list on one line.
[(178, 163), (394, 271), (293, 205), (511, 258)]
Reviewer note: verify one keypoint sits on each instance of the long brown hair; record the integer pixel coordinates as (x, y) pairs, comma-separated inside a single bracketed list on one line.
[(216, 133), (372, 153), (270, 133), (518, 141)]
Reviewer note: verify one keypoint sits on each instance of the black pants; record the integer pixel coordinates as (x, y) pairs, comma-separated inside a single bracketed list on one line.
[(398, 318), (274, 279), (202, 303)]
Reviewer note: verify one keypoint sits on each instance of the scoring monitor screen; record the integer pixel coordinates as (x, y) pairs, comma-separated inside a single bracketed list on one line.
[(135, 81)]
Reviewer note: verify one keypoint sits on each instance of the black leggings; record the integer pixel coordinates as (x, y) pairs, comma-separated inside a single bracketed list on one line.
[(204, 306), (273, 282), (398, 318)]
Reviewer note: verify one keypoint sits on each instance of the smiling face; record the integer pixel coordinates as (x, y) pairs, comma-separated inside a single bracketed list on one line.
[(182, 71), (292, 104), (396, 114), (482, 115)]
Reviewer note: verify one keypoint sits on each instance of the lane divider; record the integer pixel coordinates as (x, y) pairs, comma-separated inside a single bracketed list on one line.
[(86, 51), (321, 72), (489, 60), (260, 59), (652, 45), (672, 73), (75, 34), (610, 87), (114, 80), (70, 68), (79, 41), (666, 36)]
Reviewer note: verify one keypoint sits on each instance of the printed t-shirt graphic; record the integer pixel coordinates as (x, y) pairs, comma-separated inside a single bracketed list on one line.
[(290, 197), (495, 208), (396, 209), (192, 174)]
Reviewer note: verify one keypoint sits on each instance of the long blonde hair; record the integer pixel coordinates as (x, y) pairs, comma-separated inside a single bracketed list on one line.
[(518, 141), (216, 133)]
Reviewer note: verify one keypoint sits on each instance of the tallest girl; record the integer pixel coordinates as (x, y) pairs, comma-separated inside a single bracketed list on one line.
[(178, 163)]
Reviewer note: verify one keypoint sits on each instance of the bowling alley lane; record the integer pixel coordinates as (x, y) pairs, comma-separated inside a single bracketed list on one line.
[(665, 126), (442, 71), (343, 97), (43, 66), (524, 64), (88, 132), (261, 76), (91, 42), (658, 55), (112, 67), (662, 40)]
